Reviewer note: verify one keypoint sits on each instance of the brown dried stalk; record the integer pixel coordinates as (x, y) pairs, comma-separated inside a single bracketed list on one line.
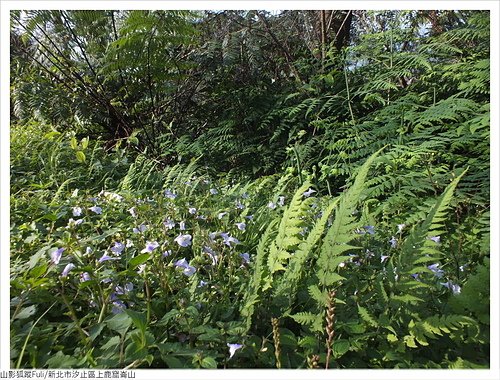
[(330, 315)]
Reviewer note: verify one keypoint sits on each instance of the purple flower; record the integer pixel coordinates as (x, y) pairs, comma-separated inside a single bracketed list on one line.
[(393, 242), (209, 251), (141, 268), (214, 191), (241, 226), (106, 257), (240, 205), (74, 223), (56, 255), (453, 287), (192, 210), (142, 228), (84, 277), (434, 269), (66, 269), (96, 209), (228, 240), (181, 263), (182, 225), (118, 248), (435, 239), (169, 223), (221, 215), (308, 193), (415, 276), (183, 240), (232, 348), (77, 211), (88, 251), (188, 270), (249, 217), (281, 201), (118, 307), (370, 229), (167, 253), (150, 246), (246, 257), (202, 284), (169, 194), (125, 289)]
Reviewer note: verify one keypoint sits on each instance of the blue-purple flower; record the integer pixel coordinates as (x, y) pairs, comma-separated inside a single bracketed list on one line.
[(96, 209), (169, 194), (84, 277), (167, 253), (434, 269), (209, 251), (117, 248), (309, 192), (435, 239), (74, 223), (241, 226), (183, 240), (233, 347), (142, 228), (213, 191), (188, 270), (67, 269), (77, 211), (246, 257), (182, 225), (369, 229), (150, 246), (192, 210), (394, 242), (455, 288), (56, 255), (106, 257), (169, 223)]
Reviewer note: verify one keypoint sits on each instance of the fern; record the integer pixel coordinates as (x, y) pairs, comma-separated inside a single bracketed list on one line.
[(418, 247), (341, 233)]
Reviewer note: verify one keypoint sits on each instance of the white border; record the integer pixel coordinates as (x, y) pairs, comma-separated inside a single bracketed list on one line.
[(492, 5)]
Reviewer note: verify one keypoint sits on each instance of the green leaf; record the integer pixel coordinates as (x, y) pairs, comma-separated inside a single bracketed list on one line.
[(95, 331), (139, 319), (60, 360), (119, 322), (340, 347), (208, 362), (26, 312), (363, 313), (138, 260), (80, 156)]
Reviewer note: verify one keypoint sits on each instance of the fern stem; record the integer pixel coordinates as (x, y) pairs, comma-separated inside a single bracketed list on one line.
[(276, 339), (348, 95)]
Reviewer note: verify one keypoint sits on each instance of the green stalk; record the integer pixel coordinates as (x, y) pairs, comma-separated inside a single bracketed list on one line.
[(29, 334)]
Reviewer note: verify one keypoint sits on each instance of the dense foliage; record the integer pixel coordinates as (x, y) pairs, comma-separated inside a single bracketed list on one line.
[(240, 189)]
